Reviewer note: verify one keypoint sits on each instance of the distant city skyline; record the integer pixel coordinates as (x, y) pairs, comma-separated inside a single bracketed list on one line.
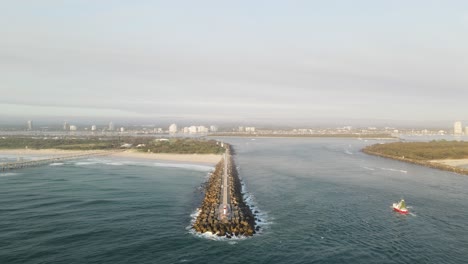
[(301, 62)]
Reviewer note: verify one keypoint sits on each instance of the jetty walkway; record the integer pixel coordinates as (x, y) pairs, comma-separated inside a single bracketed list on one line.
[(225, 206), (40, 162)]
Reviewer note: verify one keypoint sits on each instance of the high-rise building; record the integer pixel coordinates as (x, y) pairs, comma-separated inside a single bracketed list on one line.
[(93, 128), (213, 128), (30, 125), (173, 129), (73, 128), (457, 128), (122, 129), (66, 126), (466, 130), (111, 126)]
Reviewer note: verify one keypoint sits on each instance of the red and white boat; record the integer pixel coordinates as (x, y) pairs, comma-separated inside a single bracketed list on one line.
[(400, 207)]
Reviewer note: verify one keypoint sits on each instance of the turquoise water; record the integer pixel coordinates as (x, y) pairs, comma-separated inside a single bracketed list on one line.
[(320, 201)]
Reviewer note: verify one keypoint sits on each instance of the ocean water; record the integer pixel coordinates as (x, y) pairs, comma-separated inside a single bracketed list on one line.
[(319, 200)]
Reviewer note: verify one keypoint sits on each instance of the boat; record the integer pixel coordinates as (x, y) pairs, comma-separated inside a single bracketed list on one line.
[(400, 207)]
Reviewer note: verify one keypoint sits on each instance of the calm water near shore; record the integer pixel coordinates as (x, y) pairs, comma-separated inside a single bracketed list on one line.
[(320, 201)]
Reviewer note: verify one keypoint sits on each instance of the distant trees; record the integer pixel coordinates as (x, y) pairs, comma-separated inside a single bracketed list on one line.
[(184, 146), (57, 143), (174, 145)]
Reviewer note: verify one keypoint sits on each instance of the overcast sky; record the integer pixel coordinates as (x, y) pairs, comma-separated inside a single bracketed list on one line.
[(308, 60)]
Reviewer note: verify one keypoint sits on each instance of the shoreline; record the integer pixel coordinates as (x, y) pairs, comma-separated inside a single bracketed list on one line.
[(210, 159)]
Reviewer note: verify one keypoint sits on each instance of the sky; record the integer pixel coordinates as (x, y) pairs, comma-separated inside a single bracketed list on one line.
[(235, 60)]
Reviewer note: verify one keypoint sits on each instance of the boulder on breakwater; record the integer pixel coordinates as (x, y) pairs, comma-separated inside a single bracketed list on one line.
[(242, 220)]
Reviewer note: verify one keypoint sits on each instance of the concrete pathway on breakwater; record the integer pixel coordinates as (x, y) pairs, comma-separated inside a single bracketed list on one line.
[(39, 162), (225, 206)]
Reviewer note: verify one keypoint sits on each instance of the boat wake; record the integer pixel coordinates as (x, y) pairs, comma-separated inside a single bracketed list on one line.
[(368, 168)]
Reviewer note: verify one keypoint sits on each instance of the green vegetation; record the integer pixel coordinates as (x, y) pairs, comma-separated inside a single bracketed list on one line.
[(421, 151), (144, 144), (183, 146), (57, 143)]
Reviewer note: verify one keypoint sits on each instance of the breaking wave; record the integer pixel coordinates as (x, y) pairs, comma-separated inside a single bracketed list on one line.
[(187, 166), (6, 174)]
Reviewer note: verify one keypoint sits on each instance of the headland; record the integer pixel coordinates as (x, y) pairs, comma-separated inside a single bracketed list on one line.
[(443, 155)]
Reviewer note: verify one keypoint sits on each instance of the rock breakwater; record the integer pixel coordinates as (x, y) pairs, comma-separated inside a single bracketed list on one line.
[(242, 220)]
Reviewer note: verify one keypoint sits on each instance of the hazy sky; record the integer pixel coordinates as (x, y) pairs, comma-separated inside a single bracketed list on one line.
[(308, 60)]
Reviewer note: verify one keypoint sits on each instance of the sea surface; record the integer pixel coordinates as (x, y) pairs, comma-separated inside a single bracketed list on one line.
[(319, 200)]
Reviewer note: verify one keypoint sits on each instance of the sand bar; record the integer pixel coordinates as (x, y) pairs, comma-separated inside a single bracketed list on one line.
[(193, 158)]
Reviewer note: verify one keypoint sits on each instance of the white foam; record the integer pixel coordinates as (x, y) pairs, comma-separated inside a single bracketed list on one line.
[(367, 168), (249, 199), (184, 166), (187, 166), (348, 152), (56, 164), (396, 170), (208, 235), (6, 174), (114, 163), (85, 163)]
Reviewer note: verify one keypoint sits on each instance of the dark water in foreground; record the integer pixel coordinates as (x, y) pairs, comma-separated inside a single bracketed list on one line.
[(321, 201)]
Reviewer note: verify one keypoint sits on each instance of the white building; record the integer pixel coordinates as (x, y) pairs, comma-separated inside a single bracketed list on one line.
[(241, 129), (122, 129), (111, 126), (93, 128), (30, 125), (192, 129), (66, 126), (213, 128), (202, 129), (466, 130), (73, 128), (250, 129), (457, 128), (173, 129)]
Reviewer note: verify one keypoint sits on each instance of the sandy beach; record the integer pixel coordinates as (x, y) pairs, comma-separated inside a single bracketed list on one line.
[(195, 158), (452, 162), (211, 159)]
